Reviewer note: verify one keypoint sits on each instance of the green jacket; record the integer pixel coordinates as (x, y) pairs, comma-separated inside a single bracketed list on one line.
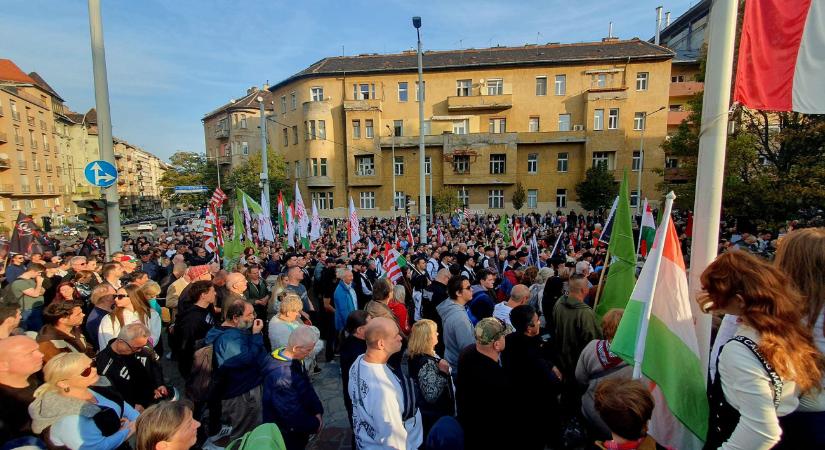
[(575, 326)]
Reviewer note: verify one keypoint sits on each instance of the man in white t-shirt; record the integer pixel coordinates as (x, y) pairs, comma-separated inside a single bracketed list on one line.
[(519, 295), (384, 414)]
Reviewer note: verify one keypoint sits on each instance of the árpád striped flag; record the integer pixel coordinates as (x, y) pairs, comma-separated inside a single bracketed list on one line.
[(393, 262), (782, 56)]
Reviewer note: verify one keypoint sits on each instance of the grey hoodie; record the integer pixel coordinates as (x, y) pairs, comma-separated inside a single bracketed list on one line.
[(50, 407), (458, 331)]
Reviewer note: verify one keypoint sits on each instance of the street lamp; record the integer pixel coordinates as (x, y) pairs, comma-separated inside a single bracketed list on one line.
[(642, 159), (392, 133), (422, 198)]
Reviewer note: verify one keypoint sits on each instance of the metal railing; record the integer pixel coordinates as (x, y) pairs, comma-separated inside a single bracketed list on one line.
[(25, 188)]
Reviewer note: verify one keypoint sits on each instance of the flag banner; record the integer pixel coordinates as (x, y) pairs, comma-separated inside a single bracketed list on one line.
[(265, 231), (440, 236), (290, 225), (781, 54), (281, 214), (27, 237), (410, 239), (504, 227), (218, 197), (607, 229), (210, 230), (393, 262), (301, 217), (621, 275), (233, 248), (670, 348), (556, 245), (354, 233), (315, 229), (648, 230), (518, 237)]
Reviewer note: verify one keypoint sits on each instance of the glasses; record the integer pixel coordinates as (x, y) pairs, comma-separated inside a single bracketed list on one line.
[(133, 349), (120, 296), (88, 371)]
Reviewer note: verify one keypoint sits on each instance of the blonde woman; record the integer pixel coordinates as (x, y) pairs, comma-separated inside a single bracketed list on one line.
[(167, 426), (130, 307), (287, 320), (150, 292), (70, 411), (431, 375)]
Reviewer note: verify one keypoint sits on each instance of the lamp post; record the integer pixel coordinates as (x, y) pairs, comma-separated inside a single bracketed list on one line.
[(392, 134), (422, 197), (642, 160), (264, 165)]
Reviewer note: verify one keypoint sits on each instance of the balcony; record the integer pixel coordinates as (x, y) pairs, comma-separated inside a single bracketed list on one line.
[(365, 177), (363, 105), (319, 182), (606, 93), (686, 88), (4, 138), (30, 120), (552, 137), (6, 188), (5, 163), (222, 133), (675, 118), (51, 189), (25, 189), (38, 189), (49, 168), (43, 125), (480, 102), (23, 164), (18, 140)]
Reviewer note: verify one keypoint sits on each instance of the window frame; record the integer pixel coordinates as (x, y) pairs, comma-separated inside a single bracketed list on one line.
[(356, 128), (561, 198), (314, 93), (569, 120), (363, 164), (532, 163), (613, 119), (405, 90), (495, 86), (398, 166), (642, 81), (636, 161), (563, 162), (534, 120), (367, 199), (541, 91), (534, 193), (464, 91), (498, 163), (369, 128), (461, 164), (639, 121), (560, 85), (495, 198), (598, 119)]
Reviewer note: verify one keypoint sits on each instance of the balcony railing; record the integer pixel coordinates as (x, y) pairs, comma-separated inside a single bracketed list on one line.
[(38, 189), (222, 133), (51, 189), (30, 120), (46, 146), (365, 172), (34, 144), (25, 188), (6, 188), (49, 168)]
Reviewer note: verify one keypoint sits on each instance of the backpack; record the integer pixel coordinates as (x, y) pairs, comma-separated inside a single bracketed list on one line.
[(199, 384), (265, 436)]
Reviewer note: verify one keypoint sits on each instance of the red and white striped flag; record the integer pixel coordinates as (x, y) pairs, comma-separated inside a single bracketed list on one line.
[(218, 197), (440, 237), (212, 231), (518, 236), (352, 225), (393, 262), (781, 54)]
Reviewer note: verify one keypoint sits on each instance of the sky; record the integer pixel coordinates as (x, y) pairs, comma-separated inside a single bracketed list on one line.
[(171, 62)]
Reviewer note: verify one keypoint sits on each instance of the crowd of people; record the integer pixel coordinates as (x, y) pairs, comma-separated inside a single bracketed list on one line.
[(478, 344)]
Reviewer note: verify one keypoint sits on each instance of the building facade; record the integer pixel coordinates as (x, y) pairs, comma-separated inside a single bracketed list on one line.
[(538, 115)]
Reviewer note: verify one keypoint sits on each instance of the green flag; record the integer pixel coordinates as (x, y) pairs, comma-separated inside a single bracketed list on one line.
[(504, 227), (233, 248), (621, 274)]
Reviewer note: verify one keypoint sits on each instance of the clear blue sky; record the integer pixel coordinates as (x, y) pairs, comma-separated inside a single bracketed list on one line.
[(170, 62)]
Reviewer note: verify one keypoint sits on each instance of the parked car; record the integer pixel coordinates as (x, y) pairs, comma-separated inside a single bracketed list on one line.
[(146, 226)]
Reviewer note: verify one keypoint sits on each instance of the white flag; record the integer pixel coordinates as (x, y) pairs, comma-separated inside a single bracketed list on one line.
[(300, 213), (315, 230), (354, 233), (265, 231)]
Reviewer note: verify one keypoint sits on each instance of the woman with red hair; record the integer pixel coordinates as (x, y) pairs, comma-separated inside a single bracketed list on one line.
[(771, 358), (66, 292)]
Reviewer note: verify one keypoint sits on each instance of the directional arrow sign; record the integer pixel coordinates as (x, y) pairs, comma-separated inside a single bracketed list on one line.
[(100, 173)]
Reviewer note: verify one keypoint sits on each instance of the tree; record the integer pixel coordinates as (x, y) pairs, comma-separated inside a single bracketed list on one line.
[(518, 196), (598, 189), (188, 169), (446, 200), (247, 176)]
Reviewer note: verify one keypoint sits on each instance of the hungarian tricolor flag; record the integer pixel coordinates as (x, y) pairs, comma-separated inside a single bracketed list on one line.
[(26, 237), (393, 262), (281, 214), (648, 231), (782, 56)]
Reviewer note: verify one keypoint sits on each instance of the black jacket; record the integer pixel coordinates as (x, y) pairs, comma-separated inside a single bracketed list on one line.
[(430, 299), (190, 328), (481, 380), (351, 348), (135, 377), (358, 282)]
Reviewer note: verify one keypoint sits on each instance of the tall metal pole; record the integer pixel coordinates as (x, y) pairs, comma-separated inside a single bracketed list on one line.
[(218, 168), (394, 212), (422, 188), (104, 125), (711, 163), (264, 166), (642, 160)]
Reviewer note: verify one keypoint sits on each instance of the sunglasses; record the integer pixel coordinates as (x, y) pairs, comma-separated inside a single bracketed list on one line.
[(88, 371), (119, 296)]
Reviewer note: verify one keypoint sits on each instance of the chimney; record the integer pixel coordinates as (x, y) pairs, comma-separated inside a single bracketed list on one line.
[(266, 86), (667, 19), (658, 24), (610, 30)]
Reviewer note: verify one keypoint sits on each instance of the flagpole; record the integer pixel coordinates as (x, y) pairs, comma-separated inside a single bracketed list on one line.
[(711, 162), (601, 278), (639, 353), (639, 237)]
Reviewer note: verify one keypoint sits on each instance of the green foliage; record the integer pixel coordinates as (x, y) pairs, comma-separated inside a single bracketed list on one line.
[(247, 177), (446, 200), (519, 195), (598, 189), (188, 169)]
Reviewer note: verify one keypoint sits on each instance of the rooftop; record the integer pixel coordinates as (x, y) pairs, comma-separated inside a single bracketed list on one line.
[(40, 82), (10, 72), (529, 55), (249, 101)]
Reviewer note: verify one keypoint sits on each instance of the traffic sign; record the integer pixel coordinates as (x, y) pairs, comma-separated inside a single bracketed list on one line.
[(100, 173), (190, 189)]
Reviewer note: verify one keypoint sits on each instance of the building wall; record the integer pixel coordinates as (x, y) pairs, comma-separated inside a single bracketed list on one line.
[(29, 175), (76, 149)]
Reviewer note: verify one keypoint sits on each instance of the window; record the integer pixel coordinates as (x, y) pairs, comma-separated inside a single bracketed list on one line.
[(463, 87), (605, 159), (314, 167), (309, 130), (634, 198), (322, 129), (243, 120), (637, 162), (532, 198), (403, 91), (286, 137), (613, 119), (398, 127), (463, 197), (564, 122), (295, 135), (400, 200), (541, 86), (297, 169), (561, 162), (367, 200), (245, 148), (317, 94), (533, 124), (293, 101), (495, 86), (366, 165), (498, 163), (14, 113), (283, 104), (428, 165), (368, 129), (495, 199), (598, 120), (561, 198), (423, 94), (32, 139), (323, 200), (599, 80), (641, 81), (45, 142), (671, 163), (677, 79), (15, 205), (533, 163), (461, 164), (461, 126), (324, 168), (639, 121), (498, 125), (363, 91), (398, 165), (561, 84), (286, 169), (356, 129)]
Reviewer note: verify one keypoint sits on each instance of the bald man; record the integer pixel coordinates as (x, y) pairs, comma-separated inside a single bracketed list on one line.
[(20, 359), (519, 295), (379, 394)]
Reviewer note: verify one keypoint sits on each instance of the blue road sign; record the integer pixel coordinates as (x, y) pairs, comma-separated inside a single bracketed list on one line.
[(100, 173), (190, 189)]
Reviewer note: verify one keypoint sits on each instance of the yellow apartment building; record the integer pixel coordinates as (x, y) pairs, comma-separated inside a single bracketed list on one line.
[(539, 115)]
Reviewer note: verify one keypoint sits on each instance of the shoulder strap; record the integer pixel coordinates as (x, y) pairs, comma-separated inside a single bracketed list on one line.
[(776, 380)]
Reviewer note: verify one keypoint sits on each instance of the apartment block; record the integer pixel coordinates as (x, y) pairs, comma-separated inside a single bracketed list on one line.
[(539, 115)]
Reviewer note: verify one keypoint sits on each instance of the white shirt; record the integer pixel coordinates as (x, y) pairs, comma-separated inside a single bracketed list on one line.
[(110, 327), (502, 311), (376, 409)]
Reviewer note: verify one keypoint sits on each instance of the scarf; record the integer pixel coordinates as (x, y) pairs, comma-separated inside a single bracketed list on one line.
[(607, 359)]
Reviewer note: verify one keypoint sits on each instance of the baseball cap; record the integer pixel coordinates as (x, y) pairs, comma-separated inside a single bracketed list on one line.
[(196, 271), (490, 329)]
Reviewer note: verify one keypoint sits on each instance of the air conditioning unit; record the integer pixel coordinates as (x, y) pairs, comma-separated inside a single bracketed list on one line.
[(578, 127)]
